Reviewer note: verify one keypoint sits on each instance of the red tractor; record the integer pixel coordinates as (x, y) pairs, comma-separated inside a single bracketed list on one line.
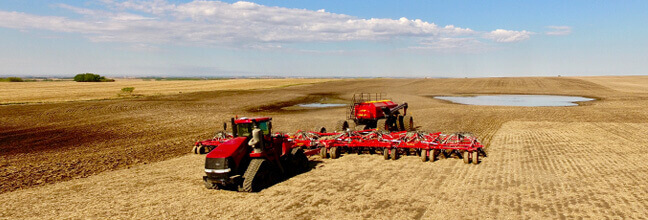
[(371, 112), (254, 158)]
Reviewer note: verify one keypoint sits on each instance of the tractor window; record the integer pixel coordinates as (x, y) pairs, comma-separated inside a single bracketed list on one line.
[(264, 127), (244, 130)]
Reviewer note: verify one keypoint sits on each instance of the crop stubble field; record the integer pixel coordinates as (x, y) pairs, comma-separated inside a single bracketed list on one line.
[(544, 162)]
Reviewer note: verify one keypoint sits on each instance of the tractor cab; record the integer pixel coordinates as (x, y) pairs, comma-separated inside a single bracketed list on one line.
[(243, 127)]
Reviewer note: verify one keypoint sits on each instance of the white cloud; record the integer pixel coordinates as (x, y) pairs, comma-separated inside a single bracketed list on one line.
[(559, 30), (505, 36), (240, 24), (446, 44)]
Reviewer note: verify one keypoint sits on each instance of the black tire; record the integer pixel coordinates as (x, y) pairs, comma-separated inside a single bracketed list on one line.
[(424, 156), (323, 153), (300, 161), (193, 150), (256, 176), (394, 154), (475, 157), (408, 123), (334, 153), (466, 157), (386, 153), (201, 149), (322, 130), (400, 126), (342, 126), (381, 125)]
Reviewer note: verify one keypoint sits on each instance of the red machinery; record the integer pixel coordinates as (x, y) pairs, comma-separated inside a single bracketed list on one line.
[(253, 158), (374, 112), (392, 145), (203, 147)]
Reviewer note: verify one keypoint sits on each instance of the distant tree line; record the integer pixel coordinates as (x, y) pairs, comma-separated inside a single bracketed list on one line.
[(91, 77), (11, 79)]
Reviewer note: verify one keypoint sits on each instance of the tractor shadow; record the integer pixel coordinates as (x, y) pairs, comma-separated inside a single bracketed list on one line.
[(311, 166)]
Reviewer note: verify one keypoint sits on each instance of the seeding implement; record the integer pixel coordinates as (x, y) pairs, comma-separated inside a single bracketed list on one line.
[(251, 157), (393, 144), (203, 147), (370, 111)]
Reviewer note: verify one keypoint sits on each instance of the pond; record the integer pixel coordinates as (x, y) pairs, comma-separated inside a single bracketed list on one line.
[(516, 100), (320, 105)]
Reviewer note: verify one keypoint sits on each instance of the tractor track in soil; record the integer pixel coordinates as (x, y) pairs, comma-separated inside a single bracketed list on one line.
[(547, 162)]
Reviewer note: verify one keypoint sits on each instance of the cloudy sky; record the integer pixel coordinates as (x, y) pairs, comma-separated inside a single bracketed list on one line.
[(323, 38)]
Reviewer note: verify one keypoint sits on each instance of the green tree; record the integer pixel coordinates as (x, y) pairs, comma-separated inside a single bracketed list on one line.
[(91, 77), (15, 79)]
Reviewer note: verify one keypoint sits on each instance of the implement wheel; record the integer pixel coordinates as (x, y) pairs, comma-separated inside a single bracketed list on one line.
[(408, 123), (434, 155), (381, 125), (334, 153), (394, 154), (424, 156), (386, 153), (323, 153), (342, 126), (466, 157), (475, 157)]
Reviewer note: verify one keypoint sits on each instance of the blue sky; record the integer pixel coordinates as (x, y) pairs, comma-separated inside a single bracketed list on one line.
[(323, 38)]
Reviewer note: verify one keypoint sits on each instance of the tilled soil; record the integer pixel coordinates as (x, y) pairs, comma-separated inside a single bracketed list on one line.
[(538, 170), (51, 143)]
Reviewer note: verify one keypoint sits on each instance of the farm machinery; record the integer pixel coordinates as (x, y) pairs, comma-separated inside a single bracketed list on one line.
[(370, 111), (426, 145), (252, 158)]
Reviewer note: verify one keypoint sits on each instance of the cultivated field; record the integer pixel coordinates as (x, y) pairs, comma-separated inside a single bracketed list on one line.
[(58, 91), (544, 162)]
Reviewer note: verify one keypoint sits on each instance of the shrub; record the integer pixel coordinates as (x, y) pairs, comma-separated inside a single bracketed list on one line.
[(91, 77), (128, 89), (15, 79)]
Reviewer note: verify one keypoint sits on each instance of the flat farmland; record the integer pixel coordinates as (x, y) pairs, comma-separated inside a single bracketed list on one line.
[(129, 158), (60, 91)]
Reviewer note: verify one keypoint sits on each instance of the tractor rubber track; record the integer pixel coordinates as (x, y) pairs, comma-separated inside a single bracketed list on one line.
[(251, 177)]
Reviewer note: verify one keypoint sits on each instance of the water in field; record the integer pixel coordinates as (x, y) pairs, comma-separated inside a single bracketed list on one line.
[(320, 105), (516, 100)]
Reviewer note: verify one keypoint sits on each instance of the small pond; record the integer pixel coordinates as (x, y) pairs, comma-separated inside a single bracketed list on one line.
[(516, 100), (320, 105)]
